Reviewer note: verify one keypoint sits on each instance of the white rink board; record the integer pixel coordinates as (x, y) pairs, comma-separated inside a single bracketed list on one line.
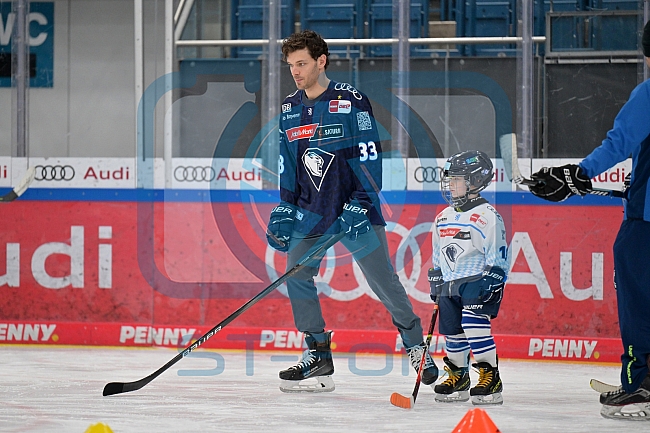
[(59, 390), (412, 174)]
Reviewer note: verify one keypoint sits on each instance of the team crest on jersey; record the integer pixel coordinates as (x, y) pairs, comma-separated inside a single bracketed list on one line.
[(340, 106), (452, 252), (300, 132), (317, 162)]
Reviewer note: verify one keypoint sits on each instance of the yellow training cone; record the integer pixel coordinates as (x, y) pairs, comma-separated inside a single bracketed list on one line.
[(100, 427)]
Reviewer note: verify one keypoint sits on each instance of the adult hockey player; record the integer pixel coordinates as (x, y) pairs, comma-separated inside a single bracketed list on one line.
[(470, 267), (629, 136), (330, 176)]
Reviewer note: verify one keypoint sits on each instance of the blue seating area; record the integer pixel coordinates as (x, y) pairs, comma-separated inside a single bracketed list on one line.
[(247, 22), (334, 19), (380, 23), (347, 19), (609, 33)]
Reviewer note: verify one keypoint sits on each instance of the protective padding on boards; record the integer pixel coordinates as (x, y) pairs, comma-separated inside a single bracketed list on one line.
[(476, 421), (100, 427)]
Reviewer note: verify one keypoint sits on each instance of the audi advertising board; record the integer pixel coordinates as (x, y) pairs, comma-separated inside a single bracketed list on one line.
[(422, 174)]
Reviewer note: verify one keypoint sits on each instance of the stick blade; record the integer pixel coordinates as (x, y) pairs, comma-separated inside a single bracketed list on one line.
[(21, 187), (508, 147), (113, 388), (399, 400), (27, 180), (602, 387)]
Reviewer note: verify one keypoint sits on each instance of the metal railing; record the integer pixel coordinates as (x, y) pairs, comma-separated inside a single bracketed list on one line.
[(365, 42)]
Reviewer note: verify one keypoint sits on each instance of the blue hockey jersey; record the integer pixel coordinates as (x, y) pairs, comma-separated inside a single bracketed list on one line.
[(629, 136), (330, 154)]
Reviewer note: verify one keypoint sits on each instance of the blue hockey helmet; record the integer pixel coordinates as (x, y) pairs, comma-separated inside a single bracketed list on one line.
[(472, 165)]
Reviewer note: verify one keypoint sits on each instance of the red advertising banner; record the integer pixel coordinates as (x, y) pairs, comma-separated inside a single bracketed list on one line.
[(146, 273)]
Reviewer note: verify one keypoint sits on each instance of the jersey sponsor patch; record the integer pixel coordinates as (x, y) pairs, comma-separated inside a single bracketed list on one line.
[(317, 162), (463, 236), (363, 121), (451, 253), (479, 220), (326, 132), (340, 106), (290, 116), (448, 232), (300, 132)]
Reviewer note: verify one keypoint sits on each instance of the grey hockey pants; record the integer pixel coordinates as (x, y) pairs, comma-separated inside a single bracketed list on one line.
[(370, 251)]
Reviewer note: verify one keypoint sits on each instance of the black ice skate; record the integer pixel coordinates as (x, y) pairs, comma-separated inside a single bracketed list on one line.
[(313, 371), (430, 373), (634, 406), (489, 387), (456, 386)]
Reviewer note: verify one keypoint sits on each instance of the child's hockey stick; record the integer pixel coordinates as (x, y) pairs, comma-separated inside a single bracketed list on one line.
[(21, 187), (508, 145), (121, 387), (399, 400)]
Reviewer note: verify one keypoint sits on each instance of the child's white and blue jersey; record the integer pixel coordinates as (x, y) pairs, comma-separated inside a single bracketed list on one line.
[(467, 243)]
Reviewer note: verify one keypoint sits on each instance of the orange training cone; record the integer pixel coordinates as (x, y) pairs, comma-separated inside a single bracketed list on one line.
[(100, 427), (476, 421)]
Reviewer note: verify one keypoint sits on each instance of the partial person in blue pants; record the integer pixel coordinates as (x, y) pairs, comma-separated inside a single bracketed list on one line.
[(629, 136), (330, 170)]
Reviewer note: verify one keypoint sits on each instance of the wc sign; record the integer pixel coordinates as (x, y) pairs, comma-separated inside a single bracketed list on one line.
[(41, 43)]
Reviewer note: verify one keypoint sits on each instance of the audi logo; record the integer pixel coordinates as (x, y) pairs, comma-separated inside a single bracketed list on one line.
[(194, 174), (428, 174), (53, 172)]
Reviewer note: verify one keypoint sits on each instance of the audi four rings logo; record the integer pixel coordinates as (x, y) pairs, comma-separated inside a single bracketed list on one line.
[(194, 174), (53, 172), (428, 174)]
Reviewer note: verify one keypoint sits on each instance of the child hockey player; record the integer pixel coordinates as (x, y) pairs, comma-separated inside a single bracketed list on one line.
[(470, 266)]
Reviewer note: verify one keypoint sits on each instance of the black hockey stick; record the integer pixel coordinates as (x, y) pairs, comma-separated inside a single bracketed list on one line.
[(400, 400), (21, 187), (508, 145), (122, 387)]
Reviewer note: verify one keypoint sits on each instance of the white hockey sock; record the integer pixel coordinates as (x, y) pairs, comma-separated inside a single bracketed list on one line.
[(457, 349), (478, 330)]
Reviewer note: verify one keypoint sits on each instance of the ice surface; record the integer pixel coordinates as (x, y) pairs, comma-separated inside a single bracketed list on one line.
[(60, 390)]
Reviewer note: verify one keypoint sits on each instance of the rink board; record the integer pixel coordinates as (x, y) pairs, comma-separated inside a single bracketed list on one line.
[(147, 268)]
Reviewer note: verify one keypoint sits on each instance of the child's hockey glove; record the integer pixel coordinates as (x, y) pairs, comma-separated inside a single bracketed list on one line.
[(436, 283), (491, 285)]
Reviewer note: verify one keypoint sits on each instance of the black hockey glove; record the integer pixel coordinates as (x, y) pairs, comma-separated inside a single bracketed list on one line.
[(354, 220), (436, 283), (559, 183), (491, 285), (280, 226)]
